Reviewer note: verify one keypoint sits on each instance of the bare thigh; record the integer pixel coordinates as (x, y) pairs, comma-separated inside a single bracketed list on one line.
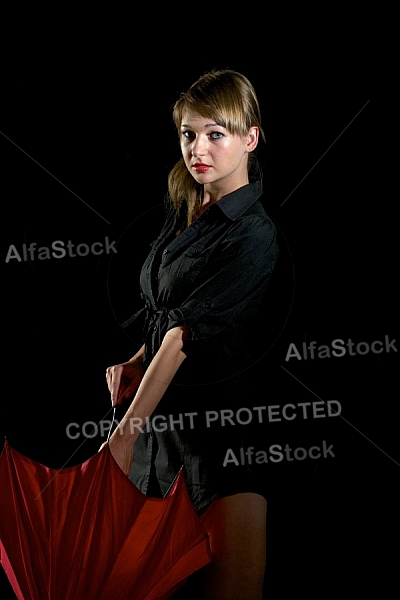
[(237, 528)]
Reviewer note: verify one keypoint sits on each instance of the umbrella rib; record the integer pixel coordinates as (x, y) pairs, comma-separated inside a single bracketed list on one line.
[(66, 462), (173, 482)]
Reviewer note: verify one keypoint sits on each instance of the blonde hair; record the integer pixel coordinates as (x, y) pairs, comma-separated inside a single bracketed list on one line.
[(228, 98)]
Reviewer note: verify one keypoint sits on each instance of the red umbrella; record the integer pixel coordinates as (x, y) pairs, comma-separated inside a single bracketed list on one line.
[(87, 533)]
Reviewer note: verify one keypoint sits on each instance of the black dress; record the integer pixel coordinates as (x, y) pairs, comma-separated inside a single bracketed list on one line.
[(212, 278)]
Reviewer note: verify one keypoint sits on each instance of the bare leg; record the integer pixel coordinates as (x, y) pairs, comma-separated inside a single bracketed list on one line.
[(237, 528)]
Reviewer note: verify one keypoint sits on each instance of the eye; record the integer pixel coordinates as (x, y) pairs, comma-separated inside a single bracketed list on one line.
[(216, 135), (189, 135)]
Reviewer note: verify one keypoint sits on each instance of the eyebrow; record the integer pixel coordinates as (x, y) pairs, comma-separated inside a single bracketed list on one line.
[(213, 124)]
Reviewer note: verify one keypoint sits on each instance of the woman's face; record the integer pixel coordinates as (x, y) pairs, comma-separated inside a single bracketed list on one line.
[(213, 156)]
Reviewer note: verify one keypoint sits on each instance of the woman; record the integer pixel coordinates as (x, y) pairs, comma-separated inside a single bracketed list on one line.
[(203, 286)]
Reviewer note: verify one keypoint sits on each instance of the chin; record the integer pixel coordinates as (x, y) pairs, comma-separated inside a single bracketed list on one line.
[(203, 177)]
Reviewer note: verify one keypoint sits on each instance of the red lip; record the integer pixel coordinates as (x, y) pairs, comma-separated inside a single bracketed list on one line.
[(201, 168)]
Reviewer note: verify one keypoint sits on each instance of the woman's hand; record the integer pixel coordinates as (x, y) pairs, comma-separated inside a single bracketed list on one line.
[(123, 380)]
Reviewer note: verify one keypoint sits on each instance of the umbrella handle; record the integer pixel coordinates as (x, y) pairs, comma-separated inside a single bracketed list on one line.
[(112, 423)]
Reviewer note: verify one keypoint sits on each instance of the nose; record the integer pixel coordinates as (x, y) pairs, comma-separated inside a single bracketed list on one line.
[(199, 146)]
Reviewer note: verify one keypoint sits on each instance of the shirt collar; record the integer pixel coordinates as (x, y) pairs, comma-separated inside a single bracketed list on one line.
[(235, 204)]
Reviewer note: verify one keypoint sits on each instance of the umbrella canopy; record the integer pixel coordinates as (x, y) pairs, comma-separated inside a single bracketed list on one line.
[(86, 532)]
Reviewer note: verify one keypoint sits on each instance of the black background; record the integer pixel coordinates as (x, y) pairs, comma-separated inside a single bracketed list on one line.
[(86, 146)]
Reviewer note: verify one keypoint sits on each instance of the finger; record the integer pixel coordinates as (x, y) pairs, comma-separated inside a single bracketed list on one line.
[(115, 384), (109, 377), (121, 394)]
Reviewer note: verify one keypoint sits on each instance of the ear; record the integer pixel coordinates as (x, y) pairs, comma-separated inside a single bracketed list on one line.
[(252, 139)]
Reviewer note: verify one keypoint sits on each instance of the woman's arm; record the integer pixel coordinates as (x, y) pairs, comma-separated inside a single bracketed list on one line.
[(124, 379), (153, 385)]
